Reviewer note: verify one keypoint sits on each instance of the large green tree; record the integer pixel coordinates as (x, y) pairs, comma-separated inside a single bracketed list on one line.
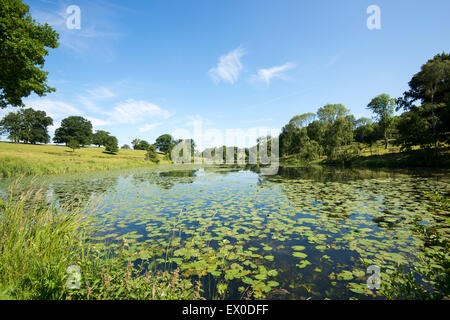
[(74, 128), (165, 143), (111, 145), (23, 48), (331, 112), (294, 139), (100, 137), (338, 134), (383, 106), (139, 144), (27, 125), (11, 124), (431, 88)]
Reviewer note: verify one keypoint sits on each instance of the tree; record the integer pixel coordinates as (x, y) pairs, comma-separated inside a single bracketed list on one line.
[(415, 129), (139, 144), (100, 137), (74, 128), (111, 145), (35, 123), (165, 143), (431, 85), (125, 147), (73, 144), (151, 154), (383, 106), (27, 125), (337, 135), (331, 112), (366, 132), (316, 131), (23, 48), (11, 124), (302, 120)]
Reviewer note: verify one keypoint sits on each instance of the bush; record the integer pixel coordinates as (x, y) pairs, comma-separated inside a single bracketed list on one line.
[(151, 154), (111, 145)]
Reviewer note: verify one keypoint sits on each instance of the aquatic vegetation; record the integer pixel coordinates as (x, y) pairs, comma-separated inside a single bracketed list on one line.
[(41, 241), (434, 271), (242, 235)]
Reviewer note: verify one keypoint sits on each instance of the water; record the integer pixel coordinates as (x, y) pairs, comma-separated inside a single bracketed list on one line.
[(303, 233)]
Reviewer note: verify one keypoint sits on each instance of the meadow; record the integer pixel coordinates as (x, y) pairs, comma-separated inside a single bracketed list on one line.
[(26, 159)]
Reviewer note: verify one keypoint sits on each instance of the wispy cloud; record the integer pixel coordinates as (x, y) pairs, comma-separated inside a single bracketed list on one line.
[(266, 75), (101, 93), (92, 38), (149, 127), (133, 111), (229, 67), (334, 59), (53, 108)]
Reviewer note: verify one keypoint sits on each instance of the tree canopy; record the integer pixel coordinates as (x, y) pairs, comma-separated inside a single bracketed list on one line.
[(74, 128), (139, 144), (23, 48), (111, 145), (165, 143), (383, 106), (27, 125), (100, 137)]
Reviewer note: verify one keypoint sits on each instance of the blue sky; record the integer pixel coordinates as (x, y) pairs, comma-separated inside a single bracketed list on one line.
[(141, 68)]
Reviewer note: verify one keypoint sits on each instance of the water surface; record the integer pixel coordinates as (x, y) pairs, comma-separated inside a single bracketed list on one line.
[(303, 233)]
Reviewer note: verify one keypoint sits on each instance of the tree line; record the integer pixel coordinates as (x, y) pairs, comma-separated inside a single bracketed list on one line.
[(335, 133), (31, 126)]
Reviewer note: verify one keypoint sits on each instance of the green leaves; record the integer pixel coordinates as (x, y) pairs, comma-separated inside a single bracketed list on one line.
[(23, 48)]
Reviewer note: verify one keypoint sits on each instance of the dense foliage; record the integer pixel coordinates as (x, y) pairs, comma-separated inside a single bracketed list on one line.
[(74, 128), (27, 125), (23, 48)]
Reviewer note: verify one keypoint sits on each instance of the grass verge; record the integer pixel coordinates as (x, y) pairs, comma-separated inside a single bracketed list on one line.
[(45, 254)]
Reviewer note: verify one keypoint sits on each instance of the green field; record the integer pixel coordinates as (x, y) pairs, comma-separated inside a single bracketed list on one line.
[(25, 159)]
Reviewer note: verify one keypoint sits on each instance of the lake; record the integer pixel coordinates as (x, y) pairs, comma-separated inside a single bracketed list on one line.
[(304, 233)]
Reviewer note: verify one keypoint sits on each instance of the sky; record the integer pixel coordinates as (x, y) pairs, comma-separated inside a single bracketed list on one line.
[(215, 69)]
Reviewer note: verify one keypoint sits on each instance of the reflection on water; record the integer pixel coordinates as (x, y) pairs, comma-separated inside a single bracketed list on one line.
[(302, 233)]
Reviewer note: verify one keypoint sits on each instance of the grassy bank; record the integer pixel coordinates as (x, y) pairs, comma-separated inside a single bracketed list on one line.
[(25, 159), (42, 247), (378, 156), (410, 159)]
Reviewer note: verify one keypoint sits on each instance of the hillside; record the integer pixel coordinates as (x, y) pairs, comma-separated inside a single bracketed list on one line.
[(25, 159)]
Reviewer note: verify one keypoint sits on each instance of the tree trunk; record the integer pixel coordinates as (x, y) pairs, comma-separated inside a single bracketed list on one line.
[(386, 142)]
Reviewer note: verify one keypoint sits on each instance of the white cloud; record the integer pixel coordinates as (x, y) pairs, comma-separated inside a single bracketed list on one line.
[(54, 108), (93, 38), (101, 93), (132, 111), (149, 127), (266, 75), (98, 122), (228, 68)]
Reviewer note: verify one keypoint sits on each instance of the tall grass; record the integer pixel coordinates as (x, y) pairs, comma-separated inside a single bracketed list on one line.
[(39, 241), (37, 244)]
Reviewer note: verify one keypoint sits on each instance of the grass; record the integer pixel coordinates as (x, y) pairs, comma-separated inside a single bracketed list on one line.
[(24, 159), (378, 156), (39, 241), (394, 157)]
